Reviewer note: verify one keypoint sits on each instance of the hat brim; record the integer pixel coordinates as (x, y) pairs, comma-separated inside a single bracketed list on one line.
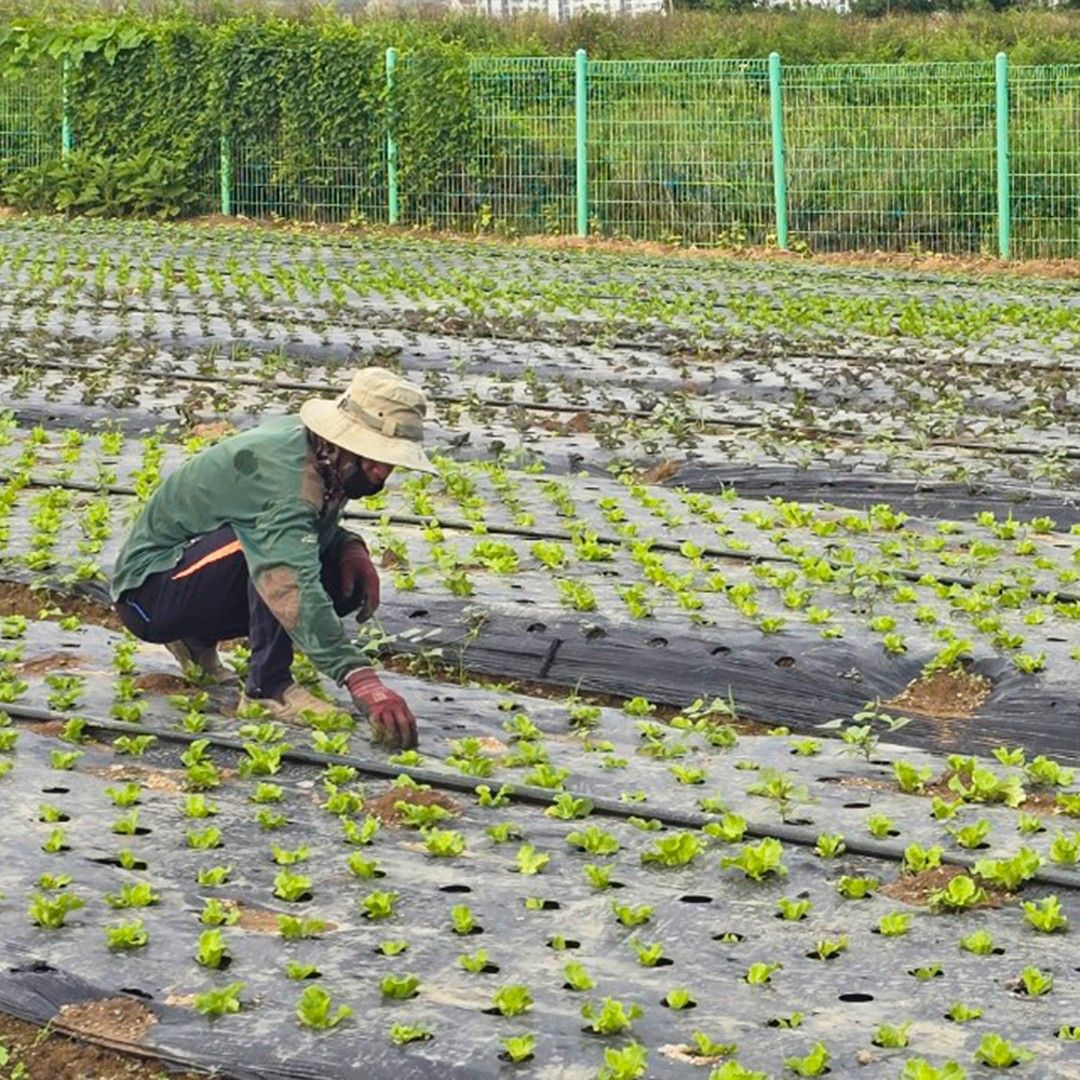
[(326, 419)]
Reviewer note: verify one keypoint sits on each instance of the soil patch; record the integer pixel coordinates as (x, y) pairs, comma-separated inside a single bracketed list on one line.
[(19, 599), (46, 665), (945, 695), (916, 888), (660, 472), (212, 430), (161, 683), (115, 1019), (170, 780), (687, 1053), (45, 1054), (262, 920), (49, 728), (383, 807)]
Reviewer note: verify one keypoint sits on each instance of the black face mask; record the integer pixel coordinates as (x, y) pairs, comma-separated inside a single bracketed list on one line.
[(356, 485)]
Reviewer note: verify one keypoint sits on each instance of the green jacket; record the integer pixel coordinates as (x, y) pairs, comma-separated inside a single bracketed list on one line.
[(266, 484)]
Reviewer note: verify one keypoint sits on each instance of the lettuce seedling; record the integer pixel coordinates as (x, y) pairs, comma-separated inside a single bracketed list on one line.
[(730, 829), (492, 799), (814, 1063), (1010, 873), (55, 842), (64, 759), (632, 916), (959, 1013), (825, 949), (880, 826), (1036, 982), (921, 1069), (135, 745), (360, 834), (530, 861), (648, 955), (830, 845), (593, 840), (403, 1034), (981, 943), (568, 808), (213, 875), (198, 806), (399, 987), (132, 894), (998, 1053), (298, 972), (891, 1038), (313, 1010), (612, 1017), (205, 840), (53, 882), (910, 778), (679, 998), (268, 820), (677, 849), (519, 1047), (927, 972), (503, 832), (511, 1000), (793, 910), (418, 816), (1067, 1032), (894, 924), (960, 893), (444, 843), (211, 950), (129, 935), (626, 1064), (50, 912), (917, 858), (215, 913), (284, 857), (577, 978), (291, 887), (378, 905), (464, 921), (856, 888), (971, 836), (757, 860), (128, 824), (476, 963), (266, 792), (293, 928), (759, 974), (704, 1047), (599, 877)]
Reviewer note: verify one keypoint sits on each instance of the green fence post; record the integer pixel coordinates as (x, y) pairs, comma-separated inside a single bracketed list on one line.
[(226, 176), (1001, 81), (66, 141), (581, 115), (776, 107), (392, 210)]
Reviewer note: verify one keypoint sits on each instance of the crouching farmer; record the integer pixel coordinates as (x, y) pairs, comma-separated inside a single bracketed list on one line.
[(243, 541)]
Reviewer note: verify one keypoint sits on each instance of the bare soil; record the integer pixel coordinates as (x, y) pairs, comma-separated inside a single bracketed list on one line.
[(115, 1019), (19, 599), (168, 780), (46, 665), (384, 809), (45, 1054), (944, 695), (920, 262), (161, 683), (916, 888)]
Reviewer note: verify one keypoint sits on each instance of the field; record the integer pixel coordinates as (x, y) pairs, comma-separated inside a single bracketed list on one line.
[(740, 623)]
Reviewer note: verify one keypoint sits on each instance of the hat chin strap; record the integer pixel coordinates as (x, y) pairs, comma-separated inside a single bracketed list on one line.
[(389, 426)]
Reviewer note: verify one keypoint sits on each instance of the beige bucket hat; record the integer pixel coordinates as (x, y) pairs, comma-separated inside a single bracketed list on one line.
[(380, 416)]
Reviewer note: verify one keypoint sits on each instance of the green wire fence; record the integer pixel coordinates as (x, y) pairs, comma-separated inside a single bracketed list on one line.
[(961, 158)]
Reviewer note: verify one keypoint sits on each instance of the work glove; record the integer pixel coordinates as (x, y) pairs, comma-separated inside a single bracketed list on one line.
[(391, 719), (358, 575)]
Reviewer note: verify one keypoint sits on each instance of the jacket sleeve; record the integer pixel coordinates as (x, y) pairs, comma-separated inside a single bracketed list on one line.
[(282, 551)]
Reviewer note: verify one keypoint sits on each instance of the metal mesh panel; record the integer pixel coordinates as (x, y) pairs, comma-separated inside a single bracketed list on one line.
[(681, 149), (1044, 142), (30, 120), (488, 147), (891, 156), (309, 182)]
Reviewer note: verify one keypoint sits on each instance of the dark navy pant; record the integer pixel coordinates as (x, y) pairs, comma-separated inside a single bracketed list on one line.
[(208, 597)]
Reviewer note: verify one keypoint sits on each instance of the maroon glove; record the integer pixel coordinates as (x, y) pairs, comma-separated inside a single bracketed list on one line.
[(389, 714), (358, 575)]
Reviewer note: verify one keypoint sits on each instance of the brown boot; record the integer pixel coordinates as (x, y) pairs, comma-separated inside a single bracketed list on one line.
[(204, 658), (295, 701)]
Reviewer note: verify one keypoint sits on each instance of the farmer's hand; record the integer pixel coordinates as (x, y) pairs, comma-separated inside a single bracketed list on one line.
[(389, 714), (358, 574)]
